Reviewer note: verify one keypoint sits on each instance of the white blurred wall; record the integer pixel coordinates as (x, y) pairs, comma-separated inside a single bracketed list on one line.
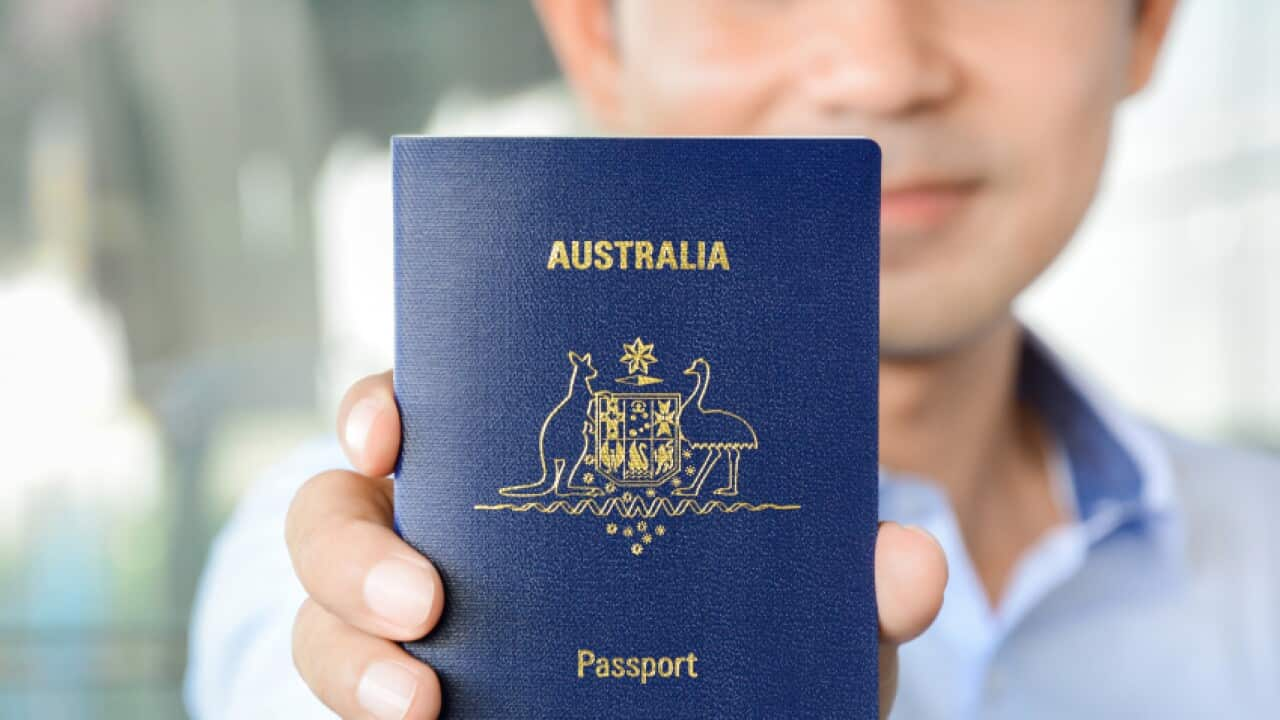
[(1170, 295)]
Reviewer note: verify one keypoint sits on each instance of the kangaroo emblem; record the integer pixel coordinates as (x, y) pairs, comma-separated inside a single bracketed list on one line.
[(563, 440), (636, 453)]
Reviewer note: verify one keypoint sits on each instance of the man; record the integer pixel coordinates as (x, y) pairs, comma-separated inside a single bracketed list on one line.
[(1098, 568)]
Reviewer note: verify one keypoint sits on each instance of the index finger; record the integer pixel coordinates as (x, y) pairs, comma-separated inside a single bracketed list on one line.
[(352, 563)]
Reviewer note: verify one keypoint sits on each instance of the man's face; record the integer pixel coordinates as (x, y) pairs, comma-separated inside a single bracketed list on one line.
[(993, 116)]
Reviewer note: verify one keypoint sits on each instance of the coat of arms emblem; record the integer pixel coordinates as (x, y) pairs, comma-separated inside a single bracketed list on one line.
[(635, 452)]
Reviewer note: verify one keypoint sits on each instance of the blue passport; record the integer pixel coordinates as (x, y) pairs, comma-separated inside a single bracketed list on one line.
[(637, 381)]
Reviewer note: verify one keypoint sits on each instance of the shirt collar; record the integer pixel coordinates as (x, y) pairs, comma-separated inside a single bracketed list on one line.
[(1119, 470), (1118, 473)]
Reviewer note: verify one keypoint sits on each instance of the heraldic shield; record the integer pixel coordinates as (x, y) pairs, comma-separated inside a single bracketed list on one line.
[(607, 453), (637, 437)]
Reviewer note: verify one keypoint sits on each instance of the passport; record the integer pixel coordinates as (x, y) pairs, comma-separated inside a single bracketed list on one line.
[(637, 381)]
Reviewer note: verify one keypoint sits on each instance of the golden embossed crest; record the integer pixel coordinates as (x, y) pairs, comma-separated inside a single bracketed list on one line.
[(635, 454)]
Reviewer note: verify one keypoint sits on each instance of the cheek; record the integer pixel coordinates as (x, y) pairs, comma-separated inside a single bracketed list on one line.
[(1055, 120)]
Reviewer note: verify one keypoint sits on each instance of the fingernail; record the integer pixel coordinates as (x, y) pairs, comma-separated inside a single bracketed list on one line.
[(399, 591), (386, 690), (360, 421)]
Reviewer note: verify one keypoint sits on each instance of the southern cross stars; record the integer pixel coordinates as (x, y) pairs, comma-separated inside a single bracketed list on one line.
[(638, 356)]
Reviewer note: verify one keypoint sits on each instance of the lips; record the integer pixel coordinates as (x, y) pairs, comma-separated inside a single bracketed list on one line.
[(922, 206)]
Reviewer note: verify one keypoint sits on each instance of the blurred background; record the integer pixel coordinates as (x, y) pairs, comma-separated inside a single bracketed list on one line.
[(195, 260)]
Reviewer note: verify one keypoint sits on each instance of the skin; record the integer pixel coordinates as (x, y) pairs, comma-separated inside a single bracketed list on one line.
[(994, 118)]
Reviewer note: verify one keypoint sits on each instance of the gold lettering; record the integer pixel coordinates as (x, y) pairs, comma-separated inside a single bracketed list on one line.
[(582, 255), (604, 255), (623, 247), (648, 668), (643, 669), (667, 256), (684, 257), (644, 255), (585, 658), (559, 258), (718, 256)]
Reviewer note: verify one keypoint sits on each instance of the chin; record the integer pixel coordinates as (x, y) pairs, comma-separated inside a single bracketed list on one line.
[(895, 344), (916, 329), (952, 292)]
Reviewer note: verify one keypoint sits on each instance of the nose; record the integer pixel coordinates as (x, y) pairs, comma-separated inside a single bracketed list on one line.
[(876, 57)]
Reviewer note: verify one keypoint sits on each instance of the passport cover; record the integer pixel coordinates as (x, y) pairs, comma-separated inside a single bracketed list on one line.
[(637, 381)]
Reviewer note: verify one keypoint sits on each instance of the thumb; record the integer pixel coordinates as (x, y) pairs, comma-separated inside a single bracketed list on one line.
[(369, 425), (911, 574)]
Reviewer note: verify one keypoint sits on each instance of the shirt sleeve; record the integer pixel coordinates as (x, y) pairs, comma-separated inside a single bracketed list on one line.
[(240, 662)]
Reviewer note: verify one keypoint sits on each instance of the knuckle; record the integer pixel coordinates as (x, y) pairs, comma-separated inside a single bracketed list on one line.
[(311, 500), (305, 522), (320, 654), (301, 507), (293, 516), (303, 623)]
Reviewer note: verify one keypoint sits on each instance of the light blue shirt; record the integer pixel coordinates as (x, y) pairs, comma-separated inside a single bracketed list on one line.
[(1161, 599)]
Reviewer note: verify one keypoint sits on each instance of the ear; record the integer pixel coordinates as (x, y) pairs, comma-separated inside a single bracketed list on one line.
[(574, 357), (581, 33), (587, 358), (1151, 27)]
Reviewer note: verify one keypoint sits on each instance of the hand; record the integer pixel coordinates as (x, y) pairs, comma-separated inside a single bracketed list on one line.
[(368, 588)]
